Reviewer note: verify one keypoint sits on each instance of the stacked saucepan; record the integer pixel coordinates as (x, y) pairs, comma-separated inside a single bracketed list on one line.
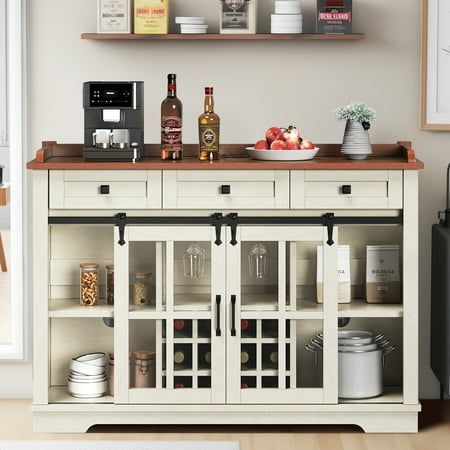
[(361, 358), (87, 377)]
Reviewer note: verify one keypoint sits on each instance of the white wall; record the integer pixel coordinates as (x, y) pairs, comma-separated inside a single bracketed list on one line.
[(258, 84)]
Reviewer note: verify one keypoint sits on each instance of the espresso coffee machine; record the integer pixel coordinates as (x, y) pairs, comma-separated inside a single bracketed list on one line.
[(113, 120)]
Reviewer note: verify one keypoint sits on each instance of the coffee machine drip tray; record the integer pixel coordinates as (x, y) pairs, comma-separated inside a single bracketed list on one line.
[(115, 153)]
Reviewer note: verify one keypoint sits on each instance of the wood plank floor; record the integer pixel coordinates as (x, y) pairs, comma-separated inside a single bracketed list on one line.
[(16, 424)]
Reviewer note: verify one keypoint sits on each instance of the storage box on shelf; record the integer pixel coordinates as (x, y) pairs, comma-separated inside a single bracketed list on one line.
[(225, 329)]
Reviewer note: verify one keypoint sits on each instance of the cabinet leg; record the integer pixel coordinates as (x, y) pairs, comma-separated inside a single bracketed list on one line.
[(3, 264)]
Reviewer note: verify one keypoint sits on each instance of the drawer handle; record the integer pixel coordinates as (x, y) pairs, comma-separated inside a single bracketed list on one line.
[(104, 189), (346, 189), (225, 189)]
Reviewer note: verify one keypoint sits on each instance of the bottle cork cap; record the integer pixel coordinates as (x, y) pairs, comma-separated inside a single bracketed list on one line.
[(89, 266), (209, 90), (146, 355)]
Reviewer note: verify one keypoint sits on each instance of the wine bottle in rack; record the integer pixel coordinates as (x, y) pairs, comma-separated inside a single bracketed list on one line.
[(178, 357), (248, 357), (245, 324), (182, 357), (207, 358), (182, 328), (178, 386)]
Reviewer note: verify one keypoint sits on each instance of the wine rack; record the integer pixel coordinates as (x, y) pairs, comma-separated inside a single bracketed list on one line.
[(259, 353), (191, 346)]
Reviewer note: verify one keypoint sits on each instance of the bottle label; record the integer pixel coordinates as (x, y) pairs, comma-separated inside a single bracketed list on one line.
[(171, 132), (209, 137)]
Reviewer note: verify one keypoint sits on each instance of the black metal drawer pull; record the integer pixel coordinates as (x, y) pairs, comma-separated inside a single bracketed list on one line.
[(346, 189), (104, 189), (225, 189)]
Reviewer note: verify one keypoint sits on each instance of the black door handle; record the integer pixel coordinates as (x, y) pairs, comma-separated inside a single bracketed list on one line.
[(225, 189), (347, 189), (218, 330), (233, 315), (104, 189)]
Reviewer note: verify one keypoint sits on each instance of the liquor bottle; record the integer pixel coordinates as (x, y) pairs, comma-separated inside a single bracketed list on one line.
[(209, 129), (171, 122)]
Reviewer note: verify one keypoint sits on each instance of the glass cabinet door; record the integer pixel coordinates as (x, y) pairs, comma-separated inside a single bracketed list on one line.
[(281, 342), (169, 316)]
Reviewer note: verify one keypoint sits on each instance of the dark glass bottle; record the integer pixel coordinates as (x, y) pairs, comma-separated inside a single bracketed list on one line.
[(171, 122)]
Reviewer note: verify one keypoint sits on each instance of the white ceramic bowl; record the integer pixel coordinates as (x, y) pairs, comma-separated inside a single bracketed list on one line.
[(94, 359), (87, 378), (85, 369), (190, 20), (282, 155), (87, 390)]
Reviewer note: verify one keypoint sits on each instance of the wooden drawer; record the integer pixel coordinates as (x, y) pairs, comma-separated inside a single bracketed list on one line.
[(127, 189), (336, 189), (207, 189)]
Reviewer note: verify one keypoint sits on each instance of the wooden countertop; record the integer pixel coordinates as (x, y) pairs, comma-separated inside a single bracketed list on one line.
[(400, 156)]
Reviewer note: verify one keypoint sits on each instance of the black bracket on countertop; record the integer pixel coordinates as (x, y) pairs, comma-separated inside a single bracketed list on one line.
[(233, 220)]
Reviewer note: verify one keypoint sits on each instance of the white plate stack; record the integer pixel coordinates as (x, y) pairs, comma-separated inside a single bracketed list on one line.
[(288, 18), (192, 25), (87, 377)]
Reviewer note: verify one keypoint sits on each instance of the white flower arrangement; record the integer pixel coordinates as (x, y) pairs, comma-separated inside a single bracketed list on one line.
[(357, 111)]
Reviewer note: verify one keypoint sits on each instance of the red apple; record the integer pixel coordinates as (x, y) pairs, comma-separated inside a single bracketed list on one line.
[(308, 144), (278, 145), (274, 134), (293, 144), (262, 145)]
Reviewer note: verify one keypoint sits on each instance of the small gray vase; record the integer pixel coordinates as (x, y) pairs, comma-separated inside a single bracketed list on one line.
[(356, 143)]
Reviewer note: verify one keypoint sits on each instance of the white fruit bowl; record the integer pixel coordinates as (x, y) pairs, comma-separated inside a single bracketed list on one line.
[(282, 155)]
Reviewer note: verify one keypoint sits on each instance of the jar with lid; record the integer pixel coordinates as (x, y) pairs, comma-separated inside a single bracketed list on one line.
[(111, 373), (89, 284), (110, 284), (144, 370), (142, 282)]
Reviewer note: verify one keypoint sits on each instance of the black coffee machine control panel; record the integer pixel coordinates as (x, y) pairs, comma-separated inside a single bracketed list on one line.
[(110, 95)]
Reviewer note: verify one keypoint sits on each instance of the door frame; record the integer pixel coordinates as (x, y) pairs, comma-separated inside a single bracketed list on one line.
[(16, 350)]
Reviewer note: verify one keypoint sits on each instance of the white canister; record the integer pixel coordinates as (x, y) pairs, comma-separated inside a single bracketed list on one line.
[(360, 374)]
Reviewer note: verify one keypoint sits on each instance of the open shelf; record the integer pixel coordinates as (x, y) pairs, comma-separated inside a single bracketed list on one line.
[(360, 308), (72, 308), (392, 394), (224, 37), (59, 394)]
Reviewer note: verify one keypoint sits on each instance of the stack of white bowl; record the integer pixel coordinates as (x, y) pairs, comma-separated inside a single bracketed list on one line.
[(192, 25), (87, 377), (288, 18)]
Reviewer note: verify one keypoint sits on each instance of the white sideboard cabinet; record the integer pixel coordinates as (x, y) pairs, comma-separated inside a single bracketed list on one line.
[(244, 330)]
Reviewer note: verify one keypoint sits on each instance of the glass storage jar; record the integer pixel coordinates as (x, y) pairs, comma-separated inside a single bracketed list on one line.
[(89, 284), (110, 284), (144, 369), (111, 373), (142, 283)]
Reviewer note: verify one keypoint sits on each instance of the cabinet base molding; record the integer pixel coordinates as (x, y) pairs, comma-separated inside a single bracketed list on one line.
[(375, 418)]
